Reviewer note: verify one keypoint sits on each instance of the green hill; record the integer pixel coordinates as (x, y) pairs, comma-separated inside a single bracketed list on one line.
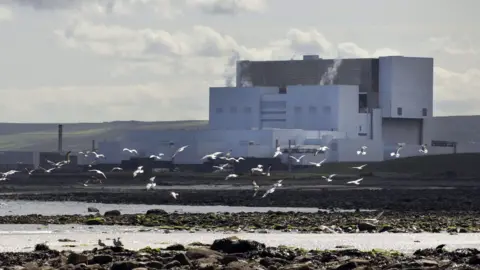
[(77, 136)]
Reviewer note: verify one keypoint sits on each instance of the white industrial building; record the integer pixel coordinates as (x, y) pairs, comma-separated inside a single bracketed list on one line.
[(252, 120)]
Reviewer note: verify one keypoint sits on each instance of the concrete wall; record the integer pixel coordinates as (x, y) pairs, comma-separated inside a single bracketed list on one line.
[(236, 108), (14, 157), (406, 83), (396, 130), (464, 129), (345, 150)]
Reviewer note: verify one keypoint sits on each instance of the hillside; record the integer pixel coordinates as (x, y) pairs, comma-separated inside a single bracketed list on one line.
[(77, 136)]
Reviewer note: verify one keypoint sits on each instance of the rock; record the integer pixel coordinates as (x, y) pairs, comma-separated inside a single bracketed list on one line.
[(112, 213), (126, 265), (41, 247), (156, 212), (155, 265), (427, 263), (365, 226), (95, 221), (300, 266), (93, 209), (102, 259), (173, 264), (198, 253), (75, 258), (238, 265), (176, 247), (228, 245), (475, 259), (182, 259)]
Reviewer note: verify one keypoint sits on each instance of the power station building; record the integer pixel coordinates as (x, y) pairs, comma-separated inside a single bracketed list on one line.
[(313, 102)]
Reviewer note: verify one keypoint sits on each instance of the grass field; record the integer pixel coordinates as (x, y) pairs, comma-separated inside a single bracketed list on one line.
[(43, 137)]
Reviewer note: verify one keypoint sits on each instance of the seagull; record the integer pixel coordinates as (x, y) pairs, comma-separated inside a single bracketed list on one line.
[(98, 172), (278, 152), (116, 169), (278, 184), (232, 158), (139, 170), (321, 149), (159, 156), (212, 156), (259, 169), (131, 151), (11, 172), (397, 152), (97, 156), (329, 178), (268, 171), (319, 163), (297, 159), (374, 220), (100, 243), (181, 149), (359, 167), (3, 178), (152, 183), (174, 194), (231, 176), (255, 188), (362, 151), (269, 191), (84, 153), (221, 167), (356, 182), (423, 149)]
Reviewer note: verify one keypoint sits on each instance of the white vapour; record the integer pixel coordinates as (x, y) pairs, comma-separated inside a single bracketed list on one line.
[(229, 74), (331, 73), (245, 80)]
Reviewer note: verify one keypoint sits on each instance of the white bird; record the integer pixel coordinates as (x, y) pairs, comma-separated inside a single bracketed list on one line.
[(278, 152), (259, 169), (221, 167), (255, 188), (269, 191), (232, 158), (356, 182), (359, 167), (212, 156), (3, 179), (423, 149), (97, 156), (362, 151), (152, 183), (174, 194), (321, 149), (231, 176), (98, 172), (397, 152), (374, 220), (319, 163), (131, 151), (50, 170), (268, 171), (116, 169), (329, 178), (278, 183), (84, 153), (11, 172), (181, 149), (297, 159), (159, 156), (138, 171)]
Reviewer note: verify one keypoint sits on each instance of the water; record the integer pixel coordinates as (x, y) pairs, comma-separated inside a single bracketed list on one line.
[(74, 208), (24, 238)]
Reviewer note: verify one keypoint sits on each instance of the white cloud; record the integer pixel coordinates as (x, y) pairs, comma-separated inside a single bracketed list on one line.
[(5, 14), (230, 7), (452, 46)]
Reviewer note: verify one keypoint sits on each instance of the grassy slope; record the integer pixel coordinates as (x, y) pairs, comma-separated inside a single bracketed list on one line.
[(43, 137)]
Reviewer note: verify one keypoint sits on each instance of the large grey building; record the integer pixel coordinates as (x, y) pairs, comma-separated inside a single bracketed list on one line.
[(363, 72)]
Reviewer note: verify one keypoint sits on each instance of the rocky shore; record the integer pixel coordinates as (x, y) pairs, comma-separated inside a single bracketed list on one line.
[(460, 199), (321, 222), (236, 254)]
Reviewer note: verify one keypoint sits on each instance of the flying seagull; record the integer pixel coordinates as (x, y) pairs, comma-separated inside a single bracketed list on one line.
[(181, 149), (423, 149), (131, 151), (297, 159), (362, 151), (356, 182), (321, 149), (329, 178), (359, 167), (98, 172), (277, 153), (319, 163)]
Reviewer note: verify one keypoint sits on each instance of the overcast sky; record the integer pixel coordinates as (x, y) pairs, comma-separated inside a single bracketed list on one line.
[(104, 60)]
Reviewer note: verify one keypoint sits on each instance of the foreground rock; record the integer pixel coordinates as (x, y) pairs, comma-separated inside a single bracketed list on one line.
[(459, 199), (233, 253), (320, 222)]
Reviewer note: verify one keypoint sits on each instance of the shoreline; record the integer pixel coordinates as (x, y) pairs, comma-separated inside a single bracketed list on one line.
[(256, 222), (235, 253), (451, 200)]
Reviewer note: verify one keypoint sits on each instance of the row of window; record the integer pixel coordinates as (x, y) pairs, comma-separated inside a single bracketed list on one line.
[(297, 109), (234, 110), (400, 111)]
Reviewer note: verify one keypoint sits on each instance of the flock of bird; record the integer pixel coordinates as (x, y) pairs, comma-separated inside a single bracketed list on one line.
[(213, 156)]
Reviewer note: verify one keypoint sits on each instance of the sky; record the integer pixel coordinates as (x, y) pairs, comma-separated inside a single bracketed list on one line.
[(154, 60)]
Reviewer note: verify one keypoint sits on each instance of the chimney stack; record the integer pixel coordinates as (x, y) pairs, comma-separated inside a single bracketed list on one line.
[(60, 138)]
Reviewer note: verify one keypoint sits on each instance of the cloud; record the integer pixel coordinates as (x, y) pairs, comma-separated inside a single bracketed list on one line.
[(451, 46), (5, 14), (228, 7)]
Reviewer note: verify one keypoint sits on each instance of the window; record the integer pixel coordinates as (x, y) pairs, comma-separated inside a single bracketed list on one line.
[(326, 109), (312, 109), (362, 102), (219, 110), (424, 111), (298, 109), (247, 110), (233, 109), (399, 111)]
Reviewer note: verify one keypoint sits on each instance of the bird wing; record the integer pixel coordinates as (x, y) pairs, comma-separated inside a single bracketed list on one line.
[(321, 162), (294, 158), (302, 156), (332, 175), (312, 163), (67, 156)]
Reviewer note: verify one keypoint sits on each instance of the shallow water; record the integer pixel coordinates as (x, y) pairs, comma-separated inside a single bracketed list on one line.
[(24, 238), (72, 208)]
